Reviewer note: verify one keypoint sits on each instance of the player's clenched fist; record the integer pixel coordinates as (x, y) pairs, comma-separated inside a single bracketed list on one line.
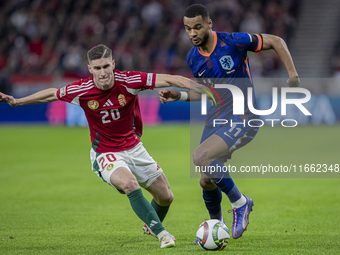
[(293, 82), (7, 99), (168, 95)]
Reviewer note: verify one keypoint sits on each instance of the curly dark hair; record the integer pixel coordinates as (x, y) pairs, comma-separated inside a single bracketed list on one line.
[(196, 10)]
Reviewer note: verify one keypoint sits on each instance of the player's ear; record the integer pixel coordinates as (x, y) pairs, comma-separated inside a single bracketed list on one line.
[(210, 23), (113, 64), (89, 67)]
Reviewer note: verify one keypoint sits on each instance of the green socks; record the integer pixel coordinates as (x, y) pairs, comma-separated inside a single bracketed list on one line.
[(160, 210), (145, 211)]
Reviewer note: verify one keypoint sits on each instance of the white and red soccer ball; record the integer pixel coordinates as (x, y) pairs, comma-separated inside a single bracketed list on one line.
[(213, 235)]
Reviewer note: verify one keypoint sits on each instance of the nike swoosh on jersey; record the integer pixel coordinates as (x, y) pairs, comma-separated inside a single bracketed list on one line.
[(201, 73)]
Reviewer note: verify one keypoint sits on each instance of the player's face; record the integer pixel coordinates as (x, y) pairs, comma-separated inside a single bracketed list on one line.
[(198, 29), (102, 70)]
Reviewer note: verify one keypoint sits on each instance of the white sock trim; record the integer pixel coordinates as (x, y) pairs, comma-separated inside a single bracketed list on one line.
[(239, 203)]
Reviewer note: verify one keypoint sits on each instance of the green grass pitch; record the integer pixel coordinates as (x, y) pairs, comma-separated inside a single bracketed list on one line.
[(52, 203)]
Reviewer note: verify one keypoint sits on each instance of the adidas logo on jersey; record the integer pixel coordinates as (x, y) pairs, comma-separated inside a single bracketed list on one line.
[(108, 103)]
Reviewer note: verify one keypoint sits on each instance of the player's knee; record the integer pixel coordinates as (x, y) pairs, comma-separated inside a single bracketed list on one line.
[(130, 185), (170, 198), (166, 199), (206, 184), (200, 158)]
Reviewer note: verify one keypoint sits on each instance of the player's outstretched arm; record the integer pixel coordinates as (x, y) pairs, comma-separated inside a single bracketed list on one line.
[(44, 96), (278, 44), (167, 80), (170, 95)]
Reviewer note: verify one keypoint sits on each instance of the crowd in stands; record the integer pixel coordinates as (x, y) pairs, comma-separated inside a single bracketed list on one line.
[(53, 36), (335, 60)]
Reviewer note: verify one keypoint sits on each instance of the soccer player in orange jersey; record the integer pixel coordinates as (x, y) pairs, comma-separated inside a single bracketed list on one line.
[(221, 58)]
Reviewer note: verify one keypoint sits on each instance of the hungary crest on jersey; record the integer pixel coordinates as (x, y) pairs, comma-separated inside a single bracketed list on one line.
[(93, 104), (121, 100)]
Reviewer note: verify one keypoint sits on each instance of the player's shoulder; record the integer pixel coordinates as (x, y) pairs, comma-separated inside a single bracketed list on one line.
[(81, 85), (239, 41), (241, 37), (235, 36), (128, 76), (132, 81), (83, 82), (224, 35)]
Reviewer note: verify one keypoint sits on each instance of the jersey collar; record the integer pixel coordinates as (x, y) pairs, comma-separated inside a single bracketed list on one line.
[(208, 54)]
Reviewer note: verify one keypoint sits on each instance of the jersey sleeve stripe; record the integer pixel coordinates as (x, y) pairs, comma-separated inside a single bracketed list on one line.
[(82, 85), (251, 39), (259, 45), (124, 75), (119, 79), (133, 78), (86, 83), (137, 81), (128, 81), (79, 90), (247, 68), (70, 88)]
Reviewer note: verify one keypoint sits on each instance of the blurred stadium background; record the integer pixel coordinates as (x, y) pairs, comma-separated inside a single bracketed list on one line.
[(44, 44)]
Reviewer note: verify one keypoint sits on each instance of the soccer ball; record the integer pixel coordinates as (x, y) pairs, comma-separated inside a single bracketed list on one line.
[(212, 235)]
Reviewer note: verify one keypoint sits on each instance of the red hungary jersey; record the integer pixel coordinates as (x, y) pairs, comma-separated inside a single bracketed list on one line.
[(113, 115)]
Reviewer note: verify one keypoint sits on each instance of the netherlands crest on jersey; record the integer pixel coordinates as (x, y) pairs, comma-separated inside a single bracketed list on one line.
[(121, 100), (227, 62), (93, 104)]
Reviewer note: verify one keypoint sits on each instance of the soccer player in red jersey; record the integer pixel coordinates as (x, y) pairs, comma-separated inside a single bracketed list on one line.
[(110, 102)]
